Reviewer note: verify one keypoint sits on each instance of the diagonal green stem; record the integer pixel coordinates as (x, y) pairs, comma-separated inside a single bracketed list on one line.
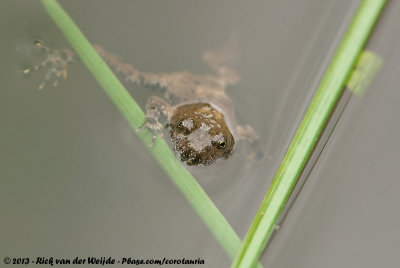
[(181, 178), (308, 133)]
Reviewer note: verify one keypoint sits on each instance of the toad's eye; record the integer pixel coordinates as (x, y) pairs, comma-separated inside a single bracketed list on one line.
[(181, 124), (222, 144)]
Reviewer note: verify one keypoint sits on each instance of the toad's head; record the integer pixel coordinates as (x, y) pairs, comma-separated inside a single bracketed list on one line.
[(200, 134)]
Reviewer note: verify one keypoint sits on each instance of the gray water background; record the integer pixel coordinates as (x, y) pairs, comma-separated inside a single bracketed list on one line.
[(75, 181)]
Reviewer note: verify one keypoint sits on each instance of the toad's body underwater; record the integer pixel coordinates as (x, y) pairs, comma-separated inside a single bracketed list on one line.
[(199, 113)]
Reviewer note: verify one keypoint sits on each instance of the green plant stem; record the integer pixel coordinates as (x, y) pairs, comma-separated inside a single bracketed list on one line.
[(179, 175), (308, 133)]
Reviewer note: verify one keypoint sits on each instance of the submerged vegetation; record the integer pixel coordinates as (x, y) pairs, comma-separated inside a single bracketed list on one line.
[(298, 153)]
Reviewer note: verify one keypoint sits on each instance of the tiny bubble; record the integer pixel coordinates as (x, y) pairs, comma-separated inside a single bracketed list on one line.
[(38, 44)]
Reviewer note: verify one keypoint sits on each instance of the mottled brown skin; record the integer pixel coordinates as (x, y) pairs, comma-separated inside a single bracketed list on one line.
[(200, 134), (197, 107)]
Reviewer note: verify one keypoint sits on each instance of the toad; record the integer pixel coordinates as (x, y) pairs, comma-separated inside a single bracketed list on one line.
[(199, 114)]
